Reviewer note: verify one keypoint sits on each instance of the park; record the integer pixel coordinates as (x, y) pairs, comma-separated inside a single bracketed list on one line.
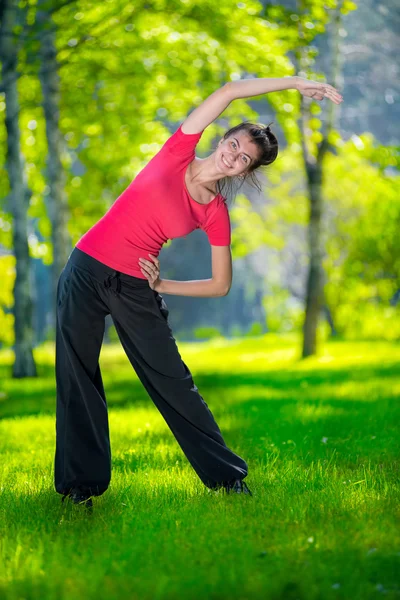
[(199, 300)]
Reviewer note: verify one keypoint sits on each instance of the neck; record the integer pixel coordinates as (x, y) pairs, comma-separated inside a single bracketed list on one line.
[(204, 172)]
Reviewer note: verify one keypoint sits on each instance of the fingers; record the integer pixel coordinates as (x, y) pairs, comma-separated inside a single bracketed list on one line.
[(332, 93), (146, 263), (323, 92), (154, 258), (334, 97), (149, 268)]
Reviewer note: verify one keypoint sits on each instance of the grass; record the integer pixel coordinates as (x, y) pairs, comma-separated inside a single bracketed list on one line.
[(320, 436)]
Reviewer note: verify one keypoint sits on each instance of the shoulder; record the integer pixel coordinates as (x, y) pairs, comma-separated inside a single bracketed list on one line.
[(180, 143), (217, 224), (216, 208), (221, 207)]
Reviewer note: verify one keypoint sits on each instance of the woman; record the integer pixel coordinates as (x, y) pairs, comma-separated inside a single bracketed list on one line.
[(114, 269)]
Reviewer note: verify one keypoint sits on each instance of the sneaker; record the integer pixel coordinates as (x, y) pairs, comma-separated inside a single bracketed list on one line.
[(79, 497), (238, 486)]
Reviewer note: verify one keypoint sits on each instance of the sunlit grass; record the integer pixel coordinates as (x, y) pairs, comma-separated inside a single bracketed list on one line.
[(320, 436)]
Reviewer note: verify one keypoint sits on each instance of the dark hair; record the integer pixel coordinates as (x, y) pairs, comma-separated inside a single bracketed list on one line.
[(267, 144)]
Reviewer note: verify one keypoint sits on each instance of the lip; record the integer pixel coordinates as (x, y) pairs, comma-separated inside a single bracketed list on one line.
[(226, 166)]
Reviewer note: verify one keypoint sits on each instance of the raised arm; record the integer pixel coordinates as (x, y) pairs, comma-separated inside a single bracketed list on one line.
[(206, 113), (244, 88)]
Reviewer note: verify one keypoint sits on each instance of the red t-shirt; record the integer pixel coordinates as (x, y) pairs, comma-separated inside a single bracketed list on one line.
[(155, 207)]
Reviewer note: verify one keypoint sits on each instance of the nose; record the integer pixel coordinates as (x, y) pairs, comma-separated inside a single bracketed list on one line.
[(230, 158)]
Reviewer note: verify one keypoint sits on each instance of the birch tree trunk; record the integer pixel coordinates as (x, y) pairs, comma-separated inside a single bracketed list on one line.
[(56, 200), (19, 196)]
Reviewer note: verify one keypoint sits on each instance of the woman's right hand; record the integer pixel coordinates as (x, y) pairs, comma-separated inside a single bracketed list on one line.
[(151, 270), (317, 90)]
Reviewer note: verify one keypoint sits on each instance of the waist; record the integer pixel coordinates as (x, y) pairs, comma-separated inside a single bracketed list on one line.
[(100, 270)]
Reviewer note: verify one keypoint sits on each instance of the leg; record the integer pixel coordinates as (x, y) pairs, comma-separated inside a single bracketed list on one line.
[(151, 348), (83, 456)]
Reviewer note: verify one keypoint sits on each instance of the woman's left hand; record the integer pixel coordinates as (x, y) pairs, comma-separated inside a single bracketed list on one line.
[(317, 90), (151, 270)]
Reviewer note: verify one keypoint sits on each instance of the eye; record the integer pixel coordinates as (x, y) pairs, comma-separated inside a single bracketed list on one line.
[(245, 157)]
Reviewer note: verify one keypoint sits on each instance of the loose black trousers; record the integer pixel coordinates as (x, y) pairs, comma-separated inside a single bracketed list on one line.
[(87, 291)]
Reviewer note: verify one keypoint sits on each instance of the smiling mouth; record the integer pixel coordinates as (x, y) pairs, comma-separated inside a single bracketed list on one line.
[(225, 163)]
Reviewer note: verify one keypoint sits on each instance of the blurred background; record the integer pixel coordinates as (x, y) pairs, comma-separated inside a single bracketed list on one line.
[(90, 91)]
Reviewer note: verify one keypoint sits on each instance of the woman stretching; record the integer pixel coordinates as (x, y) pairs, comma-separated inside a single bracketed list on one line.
[(113, 269)]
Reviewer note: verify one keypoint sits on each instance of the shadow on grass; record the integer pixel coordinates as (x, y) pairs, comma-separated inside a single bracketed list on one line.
[(34, 396)]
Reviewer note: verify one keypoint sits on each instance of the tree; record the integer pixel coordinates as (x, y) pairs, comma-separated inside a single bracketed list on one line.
[(18, 197), (56, 199), (312, 18)]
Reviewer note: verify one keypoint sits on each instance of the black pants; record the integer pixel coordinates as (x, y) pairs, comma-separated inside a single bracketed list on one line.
[(87, 291)]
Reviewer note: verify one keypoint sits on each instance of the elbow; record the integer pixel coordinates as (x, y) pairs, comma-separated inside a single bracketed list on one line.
[(225, 290), (227, 87), (220, 288)]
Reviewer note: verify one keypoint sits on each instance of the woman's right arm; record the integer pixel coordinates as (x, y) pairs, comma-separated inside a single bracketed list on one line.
[(201, 288)]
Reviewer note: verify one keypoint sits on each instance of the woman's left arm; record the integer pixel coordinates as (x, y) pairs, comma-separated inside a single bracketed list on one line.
[(213, 106), (245, 88)]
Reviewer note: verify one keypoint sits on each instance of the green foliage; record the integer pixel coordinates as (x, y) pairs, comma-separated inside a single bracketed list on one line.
[(236, 331), (371, 321), (283, 314), (206, 333), (130, 70), (362, 262), (157, 64), (255, 330), (361, 222), (7, 278), (249, 230)]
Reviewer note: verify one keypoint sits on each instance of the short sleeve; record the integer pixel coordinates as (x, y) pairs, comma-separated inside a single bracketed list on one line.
[(218, 227), (182, 144)]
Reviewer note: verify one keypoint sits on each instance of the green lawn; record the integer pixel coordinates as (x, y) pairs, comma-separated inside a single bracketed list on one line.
[(320, 436)]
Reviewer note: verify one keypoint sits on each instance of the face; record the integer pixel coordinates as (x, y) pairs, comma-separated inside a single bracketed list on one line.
[(236, 154)]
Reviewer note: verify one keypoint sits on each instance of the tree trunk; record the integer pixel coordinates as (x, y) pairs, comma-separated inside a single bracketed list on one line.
[(329, 318), (314, 172), (315, 273), (56, 200), (24, 365)]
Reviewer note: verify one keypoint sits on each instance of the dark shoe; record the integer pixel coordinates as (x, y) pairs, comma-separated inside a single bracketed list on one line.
[(238, 486), (79, 497)]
